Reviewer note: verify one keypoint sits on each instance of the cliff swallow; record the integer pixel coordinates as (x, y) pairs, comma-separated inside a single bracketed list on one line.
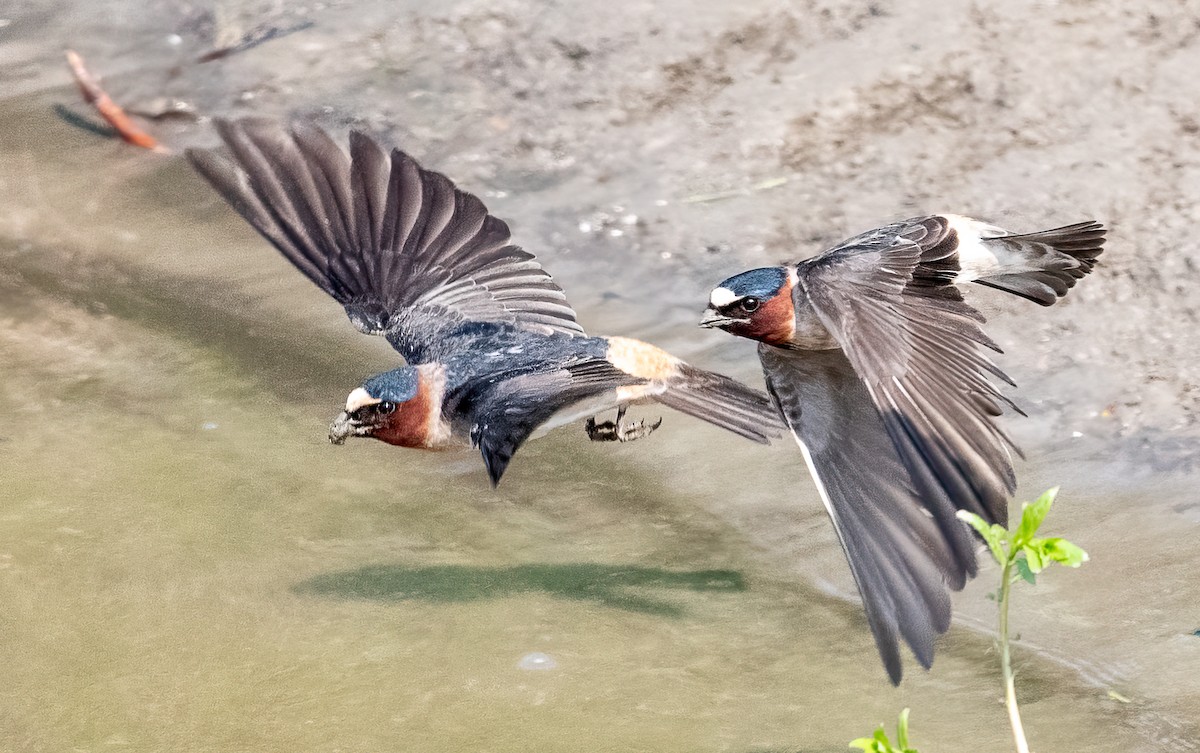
[(493, 350), (878, 367)]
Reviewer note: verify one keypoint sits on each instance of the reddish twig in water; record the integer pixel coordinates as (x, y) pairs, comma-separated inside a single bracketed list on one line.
[(108, 109)]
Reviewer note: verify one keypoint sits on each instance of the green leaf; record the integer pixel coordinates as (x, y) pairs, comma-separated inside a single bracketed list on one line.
[(1025, 571), (879, 742), (1063, 552), (1034, 556), (1041, 552), (1032, 515), (994, 534), (902, 730)]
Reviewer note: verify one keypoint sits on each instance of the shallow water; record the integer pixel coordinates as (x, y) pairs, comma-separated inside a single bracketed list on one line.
[(187, 564)]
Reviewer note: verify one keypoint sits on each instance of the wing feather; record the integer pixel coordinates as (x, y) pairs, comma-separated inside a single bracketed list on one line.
[(504, 409), (898, 425), (401, 248), (896, 525), (921, 354)]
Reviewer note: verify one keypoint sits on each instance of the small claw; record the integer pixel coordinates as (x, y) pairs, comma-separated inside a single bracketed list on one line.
[(619, 431), (637, 431)]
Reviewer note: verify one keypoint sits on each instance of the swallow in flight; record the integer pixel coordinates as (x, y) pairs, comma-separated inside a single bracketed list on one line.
[(879, 368), (493, 350)]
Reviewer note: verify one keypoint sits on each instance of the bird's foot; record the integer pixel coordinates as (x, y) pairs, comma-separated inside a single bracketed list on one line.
[(619, 430)]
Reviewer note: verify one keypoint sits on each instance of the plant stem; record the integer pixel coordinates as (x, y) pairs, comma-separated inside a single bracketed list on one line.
[(1010, 693)]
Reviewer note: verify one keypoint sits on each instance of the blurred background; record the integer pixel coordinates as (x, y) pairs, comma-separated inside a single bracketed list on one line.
[(186, 564)]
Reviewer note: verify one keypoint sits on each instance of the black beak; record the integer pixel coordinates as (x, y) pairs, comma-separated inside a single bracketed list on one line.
[(713, 318)]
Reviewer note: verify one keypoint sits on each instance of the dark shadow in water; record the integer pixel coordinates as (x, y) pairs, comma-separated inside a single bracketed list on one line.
[(606, 585), (70, 117)]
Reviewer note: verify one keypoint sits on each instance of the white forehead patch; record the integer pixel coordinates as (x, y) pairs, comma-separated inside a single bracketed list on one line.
[(721, 297), (358, 398)]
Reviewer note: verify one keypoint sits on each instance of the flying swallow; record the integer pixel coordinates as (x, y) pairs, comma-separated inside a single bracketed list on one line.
[(879, 368), (493, 350)]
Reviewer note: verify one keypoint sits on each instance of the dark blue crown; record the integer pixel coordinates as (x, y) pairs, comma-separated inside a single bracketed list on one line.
[(396, 386), (761, 283)]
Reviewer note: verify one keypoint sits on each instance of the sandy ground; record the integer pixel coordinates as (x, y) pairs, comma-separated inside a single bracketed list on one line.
[(693, 142)]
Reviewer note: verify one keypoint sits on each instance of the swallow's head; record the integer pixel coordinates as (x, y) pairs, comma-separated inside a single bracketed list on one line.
[(755, 304), (392, 407)]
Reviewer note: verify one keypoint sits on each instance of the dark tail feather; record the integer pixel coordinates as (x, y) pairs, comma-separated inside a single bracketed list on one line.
[(1069, 253), (724, 402)]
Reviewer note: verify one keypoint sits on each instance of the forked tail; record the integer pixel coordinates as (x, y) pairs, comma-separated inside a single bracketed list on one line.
[(1058, 259)]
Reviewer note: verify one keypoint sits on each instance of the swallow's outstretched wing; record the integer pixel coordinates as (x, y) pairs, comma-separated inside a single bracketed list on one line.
[(902, 558), (920, 353), (897, 425), (407, 253)]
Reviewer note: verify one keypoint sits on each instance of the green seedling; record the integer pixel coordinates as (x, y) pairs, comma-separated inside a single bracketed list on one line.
[(1021, 556), (879, 742)]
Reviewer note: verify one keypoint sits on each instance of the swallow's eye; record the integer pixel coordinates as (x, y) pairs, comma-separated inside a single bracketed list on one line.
[(749, 305), (385, 408)]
